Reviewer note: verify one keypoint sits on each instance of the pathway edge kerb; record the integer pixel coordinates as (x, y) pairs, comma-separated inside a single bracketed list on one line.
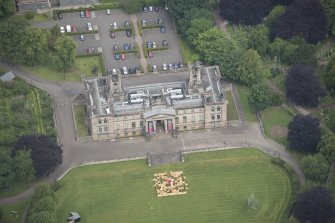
[(99, 162)]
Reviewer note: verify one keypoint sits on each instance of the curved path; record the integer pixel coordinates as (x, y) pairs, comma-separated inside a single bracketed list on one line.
[(75, 153)]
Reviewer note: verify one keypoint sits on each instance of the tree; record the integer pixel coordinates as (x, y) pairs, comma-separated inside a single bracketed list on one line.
[(304, 55), (250, 68), (42, 217), (23, 165), (304, 133), (7, 174), (198, 26), (326, 147), (260, 96), (303, 86), (46, 155), (7, 8), (282, 50), (44, 204), (12, 33), (305, 18), (184, 23), (41, 191), (34, 46), (65, 53), (329, 6), (315, 205), (259, 39), (247, 12), (330, 76), (315, 167), (217, 48), (177, 8), (274, 14)]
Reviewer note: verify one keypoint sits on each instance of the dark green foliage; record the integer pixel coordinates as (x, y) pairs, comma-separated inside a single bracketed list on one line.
[(304, 133), (65, 53), (304, 55), (7, 8), (177, 8), (23, 165), (7, 174), (29, 15), (303, 86), (41, 191), (46, 154), (315, 167), (282, 50), (330, 76), (260, 96), (315, 206), (274, 14), (305, 18), (326, 147), (246, 12), (329, 6), (46, 203), (198, 26), (259, 39), (42, 217)]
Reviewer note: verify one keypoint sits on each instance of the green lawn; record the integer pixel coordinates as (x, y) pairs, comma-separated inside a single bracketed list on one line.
[(219, 185), (82, 66), (274, 119), (249, 111), (231, 109), (9, 215), (80, 115), (188, 53)]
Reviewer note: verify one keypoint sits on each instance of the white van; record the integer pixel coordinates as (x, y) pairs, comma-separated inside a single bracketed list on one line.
[(68, 28)]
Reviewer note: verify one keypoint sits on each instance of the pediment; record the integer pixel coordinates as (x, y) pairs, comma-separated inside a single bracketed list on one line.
[(159, 113)]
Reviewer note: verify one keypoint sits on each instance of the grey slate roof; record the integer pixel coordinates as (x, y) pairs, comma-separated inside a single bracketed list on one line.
[(7, 77)]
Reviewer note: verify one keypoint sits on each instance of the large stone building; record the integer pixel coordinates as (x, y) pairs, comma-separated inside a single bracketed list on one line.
[(117, 111)]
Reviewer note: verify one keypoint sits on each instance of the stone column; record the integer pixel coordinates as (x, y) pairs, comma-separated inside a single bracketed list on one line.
[(165, 125), (174, 123), (154, 126), (146, 126)]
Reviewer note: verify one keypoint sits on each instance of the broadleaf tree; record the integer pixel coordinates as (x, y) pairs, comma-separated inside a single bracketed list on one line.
[(65, 53)]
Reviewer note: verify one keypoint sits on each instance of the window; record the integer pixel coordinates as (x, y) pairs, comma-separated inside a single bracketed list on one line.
[(201, 117), (213, 117), (106, 129), (213, 108), (133, 124), (118, 134), (177, 120), (117, 126), (184, 119), (193, 118), (185, 127), (100, 129), (134, 133), (105, 120), (141, 123), (218, 108), (99, 122), (177, 128), (218, 117), (125, 125)]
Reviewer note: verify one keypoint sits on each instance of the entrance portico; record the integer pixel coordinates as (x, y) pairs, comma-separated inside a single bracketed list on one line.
[(159, 120)]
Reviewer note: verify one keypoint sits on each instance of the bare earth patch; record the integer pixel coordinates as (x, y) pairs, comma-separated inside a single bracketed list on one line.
[(279, 131)]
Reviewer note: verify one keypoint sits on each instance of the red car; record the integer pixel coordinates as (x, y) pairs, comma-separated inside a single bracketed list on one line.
[(123, 56), (150, 54), (74, 28), (112, 34), (87, 14)]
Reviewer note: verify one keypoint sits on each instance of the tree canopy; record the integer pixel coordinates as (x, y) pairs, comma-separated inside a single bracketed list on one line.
[(7, 173), (303, 86), (65, 53), (330, 76), (260, 96), (304, 133), (247, 12), (315, 167), (305, 18), (7, 7), (177, 8), (198, 26), (315, 205), (259, 39), (274, 14), (326, 147), (304, 55), (46, 155)]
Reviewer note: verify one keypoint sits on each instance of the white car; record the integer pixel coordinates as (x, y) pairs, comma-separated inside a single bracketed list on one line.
[(151, 9), (164, 67), (154, 67), (68, 28), (89, 26), (62, 29), (125, 70), (114, 25), (114, 71), (108, 11), (154, 44)]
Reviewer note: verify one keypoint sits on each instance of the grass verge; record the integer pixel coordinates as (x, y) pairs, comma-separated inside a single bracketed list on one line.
[(219, 186), (80, 117), (13, 213), (82, 66), (187, 52), (249, 111), (231, 109)]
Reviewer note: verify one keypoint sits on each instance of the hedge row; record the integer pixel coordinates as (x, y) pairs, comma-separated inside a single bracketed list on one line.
[(152, 26), (126, 51), (81, 33)]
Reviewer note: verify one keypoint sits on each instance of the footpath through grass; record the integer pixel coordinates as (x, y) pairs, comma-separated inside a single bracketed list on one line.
[(82, 66), (80, 115), (219, 185)]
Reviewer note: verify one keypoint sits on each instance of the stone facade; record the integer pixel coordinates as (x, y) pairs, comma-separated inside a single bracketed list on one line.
[(157, 108)]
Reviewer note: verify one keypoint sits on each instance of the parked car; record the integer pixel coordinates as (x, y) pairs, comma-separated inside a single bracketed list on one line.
[(123, 56), (150, 54), (149, 45), (126, 23), (131, 46), (124, 70), (154, 67), (60, 16), (144, 22), (74, 28), (156, 8), (90, 50), (114, 71), (128, 33), (89, 26), (166, 7), (137, 69), (112, 34), (82, 15), (151, 9), (87, 14), (126, 46), (108, 11), (170, 66), (62, 29), (114, 25), (145, 9), (164, 42), (68, 28), (160, 21), (117, 56), (131, 71), (175, 66), (82, 37), (164, 66), (162, 29), (115, 47), (154, 44)]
